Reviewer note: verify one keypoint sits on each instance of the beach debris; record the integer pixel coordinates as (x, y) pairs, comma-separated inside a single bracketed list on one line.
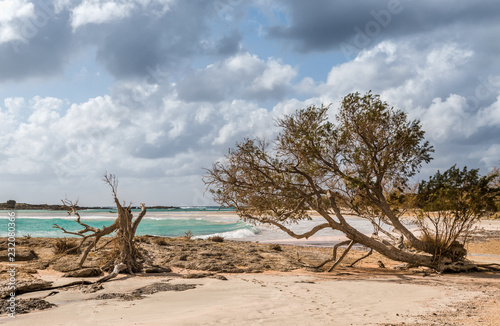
[(140, 293), (197, 275), (156, 269), (23, 306), (162, 287), (118, 268), (119, 296), (84, 272), (91, 288)]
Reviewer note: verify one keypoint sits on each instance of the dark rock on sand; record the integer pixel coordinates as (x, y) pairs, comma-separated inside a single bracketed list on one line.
[(162, 287), (197, 275), (21, 255), (25, 285), (146, 290), (157, 269), (84, 272), (23, 306), (119, 296)]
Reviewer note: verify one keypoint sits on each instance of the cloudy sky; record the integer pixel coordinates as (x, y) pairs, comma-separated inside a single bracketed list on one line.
[(155, 90)]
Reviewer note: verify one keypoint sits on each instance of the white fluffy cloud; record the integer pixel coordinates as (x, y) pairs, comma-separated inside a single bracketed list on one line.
[(401, 72), (13, 16), (104, 11), (241, 76), (98, 12)]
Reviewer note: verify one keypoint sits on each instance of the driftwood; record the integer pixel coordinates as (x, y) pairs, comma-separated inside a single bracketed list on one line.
[(360, 259), (350, 243), (118, 268)]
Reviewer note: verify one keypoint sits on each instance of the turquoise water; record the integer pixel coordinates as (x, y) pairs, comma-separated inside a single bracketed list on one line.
[(160, 222)]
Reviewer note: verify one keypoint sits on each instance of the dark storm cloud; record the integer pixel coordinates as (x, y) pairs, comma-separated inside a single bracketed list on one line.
[(229, 44), (127, 47), (140, 42), (43, 50), (324, 24)]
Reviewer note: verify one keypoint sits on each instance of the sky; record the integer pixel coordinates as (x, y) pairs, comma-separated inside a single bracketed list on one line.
[(155, 91)]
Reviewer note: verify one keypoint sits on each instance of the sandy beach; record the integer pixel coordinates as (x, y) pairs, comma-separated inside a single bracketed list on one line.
[(247, 283), (267, 299)]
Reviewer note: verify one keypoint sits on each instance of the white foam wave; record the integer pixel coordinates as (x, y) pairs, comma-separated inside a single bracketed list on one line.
[(236, 234)]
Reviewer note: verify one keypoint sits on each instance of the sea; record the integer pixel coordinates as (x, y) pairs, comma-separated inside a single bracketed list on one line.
[(200, 221)]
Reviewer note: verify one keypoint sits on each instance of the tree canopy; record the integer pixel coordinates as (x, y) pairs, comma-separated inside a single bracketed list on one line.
[(356, 161)]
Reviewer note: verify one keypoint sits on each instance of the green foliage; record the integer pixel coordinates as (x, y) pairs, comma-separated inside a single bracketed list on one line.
[(495, 183), (378, 143), (460, 192), (450, 203)]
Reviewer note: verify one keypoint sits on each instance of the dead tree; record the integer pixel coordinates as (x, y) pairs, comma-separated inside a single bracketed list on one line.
[(127, 257)]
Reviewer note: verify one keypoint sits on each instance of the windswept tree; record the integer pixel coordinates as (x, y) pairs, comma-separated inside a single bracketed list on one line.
[(126, 257), (362, 161)]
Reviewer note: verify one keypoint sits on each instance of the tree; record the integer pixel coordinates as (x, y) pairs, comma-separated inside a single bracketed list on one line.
[(362, 162), (495, 183), (449, 205), (127, 257)]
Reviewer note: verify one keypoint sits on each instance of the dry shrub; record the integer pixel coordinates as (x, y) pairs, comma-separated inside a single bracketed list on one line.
[(160, 241), (216, 238), (66, 246), (142, 239), (444, 248), (188, 235), (275, 247)]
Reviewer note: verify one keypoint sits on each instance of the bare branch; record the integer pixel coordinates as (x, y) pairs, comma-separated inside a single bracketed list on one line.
[(334, 253), (139, 218), (363, 257), (346, 251)]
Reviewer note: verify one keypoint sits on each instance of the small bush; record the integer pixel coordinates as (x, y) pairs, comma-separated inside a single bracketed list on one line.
[(142, 239), (216, 238), (275, 247), (66, 246), (188, 235), (160, 241)]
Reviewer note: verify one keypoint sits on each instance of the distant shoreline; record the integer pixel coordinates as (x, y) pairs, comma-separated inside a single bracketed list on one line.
[(25, 206)]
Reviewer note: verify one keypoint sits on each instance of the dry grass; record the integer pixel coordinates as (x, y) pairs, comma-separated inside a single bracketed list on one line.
[(216, 238), (66, 246)]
